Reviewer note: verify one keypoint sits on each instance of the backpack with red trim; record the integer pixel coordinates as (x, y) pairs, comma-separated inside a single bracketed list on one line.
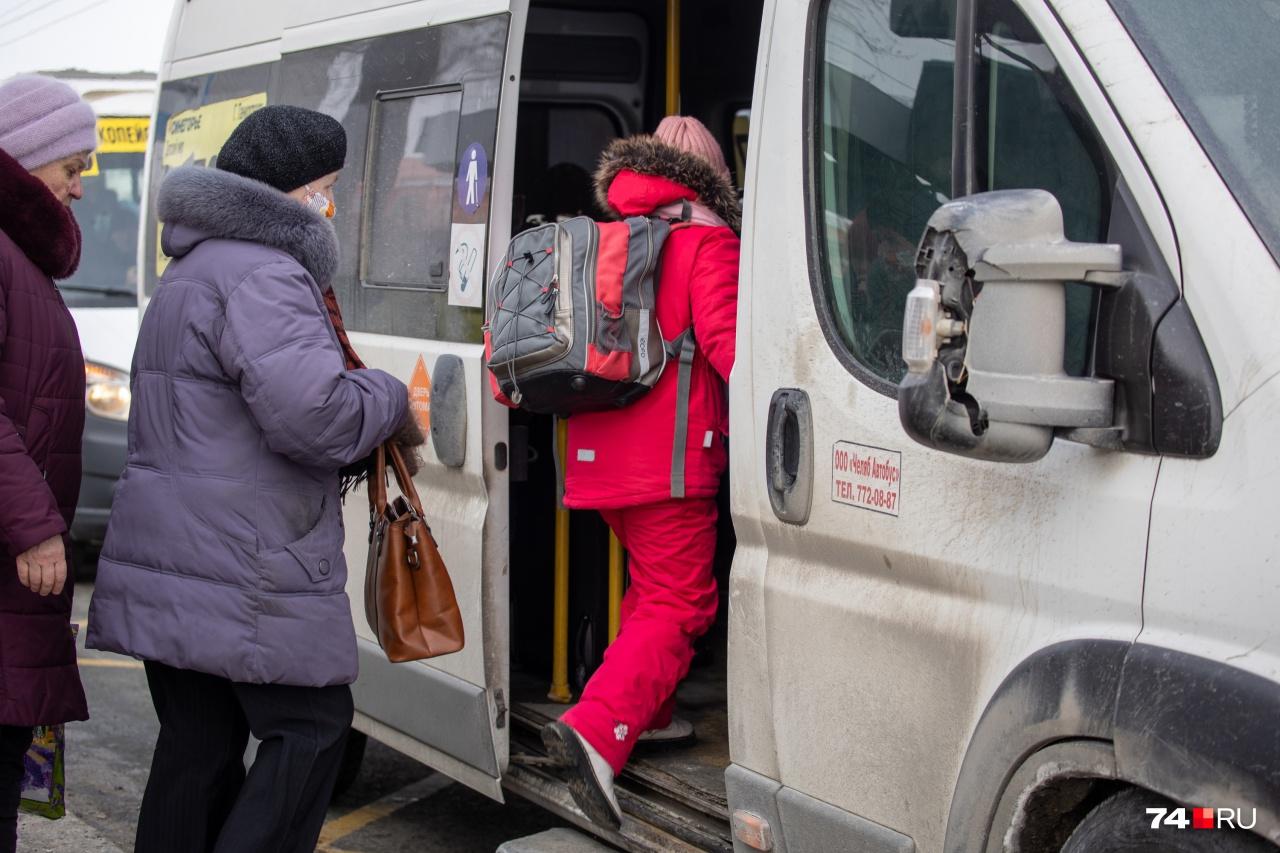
[(571, 320)]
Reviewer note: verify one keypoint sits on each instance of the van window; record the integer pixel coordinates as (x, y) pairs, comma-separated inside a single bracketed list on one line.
[(1218, 63), (108, 219), (413, 145), (884, 162), (1031, 131)]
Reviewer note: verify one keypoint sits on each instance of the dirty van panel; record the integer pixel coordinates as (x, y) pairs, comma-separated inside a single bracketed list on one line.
[(208, 107), (926, 575)]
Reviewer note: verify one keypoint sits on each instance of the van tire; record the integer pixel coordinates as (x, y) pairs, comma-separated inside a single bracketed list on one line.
[(1120, 824)]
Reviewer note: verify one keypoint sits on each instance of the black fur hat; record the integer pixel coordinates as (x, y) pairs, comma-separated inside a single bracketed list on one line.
[(285, 147)]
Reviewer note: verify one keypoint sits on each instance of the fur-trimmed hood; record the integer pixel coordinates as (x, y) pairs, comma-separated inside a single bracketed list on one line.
[(197, 204), (646, 155), (42, 227)]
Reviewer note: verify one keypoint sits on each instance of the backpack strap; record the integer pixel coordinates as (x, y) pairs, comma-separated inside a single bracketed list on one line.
[(681, 348)]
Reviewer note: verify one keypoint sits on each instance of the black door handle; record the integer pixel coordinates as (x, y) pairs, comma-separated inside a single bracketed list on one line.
[(789, 455)]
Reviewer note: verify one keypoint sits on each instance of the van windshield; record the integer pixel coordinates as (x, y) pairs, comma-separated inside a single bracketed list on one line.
[(1218, 63), (108, 219)]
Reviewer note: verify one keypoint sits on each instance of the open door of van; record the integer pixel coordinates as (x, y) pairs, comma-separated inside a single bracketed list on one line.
[(427, 93)]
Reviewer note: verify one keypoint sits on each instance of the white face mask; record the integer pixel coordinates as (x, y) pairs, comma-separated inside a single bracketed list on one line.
[(319, 203)]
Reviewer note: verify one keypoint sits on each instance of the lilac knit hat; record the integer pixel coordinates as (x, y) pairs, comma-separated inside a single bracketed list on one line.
[(690, 135), (42, 120)]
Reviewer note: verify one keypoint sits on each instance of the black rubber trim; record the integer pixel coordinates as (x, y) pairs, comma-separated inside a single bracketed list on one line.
[(1065, 691), (1198, 731)]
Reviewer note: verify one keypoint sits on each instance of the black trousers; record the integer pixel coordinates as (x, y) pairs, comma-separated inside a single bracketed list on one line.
[(14, 742), (198, 797)]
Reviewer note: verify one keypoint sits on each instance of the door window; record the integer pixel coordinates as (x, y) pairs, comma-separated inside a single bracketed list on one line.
[(1031, 131), (410, 202), (883, 167), (884, 163)]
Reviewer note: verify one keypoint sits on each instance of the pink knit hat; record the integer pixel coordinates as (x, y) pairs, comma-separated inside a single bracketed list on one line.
[(688, 134), (42, 120)]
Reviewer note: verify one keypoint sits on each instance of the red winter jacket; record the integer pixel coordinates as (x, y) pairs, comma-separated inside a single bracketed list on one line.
[(41, 421), (622, 457)]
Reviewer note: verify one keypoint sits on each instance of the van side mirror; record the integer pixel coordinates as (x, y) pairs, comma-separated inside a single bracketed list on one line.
[(984, 331)]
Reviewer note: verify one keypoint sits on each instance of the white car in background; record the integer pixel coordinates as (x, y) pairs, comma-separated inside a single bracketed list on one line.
[(102, 295)]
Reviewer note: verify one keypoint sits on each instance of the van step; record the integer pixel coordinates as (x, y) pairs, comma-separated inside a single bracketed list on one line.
[(555, 841)]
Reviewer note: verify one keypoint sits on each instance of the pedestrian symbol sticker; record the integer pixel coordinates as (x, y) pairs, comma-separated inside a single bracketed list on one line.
[(473, 177)]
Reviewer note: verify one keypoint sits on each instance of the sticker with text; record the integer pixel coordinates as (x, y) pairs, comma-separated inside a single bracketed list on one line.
[(866, 477)]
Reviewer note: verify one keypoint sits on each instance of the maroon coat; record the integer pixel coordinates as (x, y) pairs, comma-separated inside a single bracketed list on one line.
[(41, 421)]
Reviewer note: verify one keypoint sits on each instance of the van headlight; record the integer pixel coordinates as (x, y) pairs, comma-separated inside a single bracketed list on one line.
[(106, 392)]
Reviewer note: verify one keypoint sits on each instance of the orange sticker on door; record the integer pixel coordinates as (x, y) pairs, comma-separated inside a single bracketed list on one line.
[(420, 395)]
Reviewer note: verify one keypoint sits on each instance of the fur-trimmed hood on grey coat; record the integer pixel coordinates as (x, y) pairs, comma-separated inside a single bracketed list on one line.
[(197, 204), (646, 155)]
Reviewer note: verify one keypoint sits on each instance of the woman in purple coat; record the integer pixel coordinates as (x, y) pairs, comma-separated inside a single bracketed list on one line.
[(222, 567), (46, 136)]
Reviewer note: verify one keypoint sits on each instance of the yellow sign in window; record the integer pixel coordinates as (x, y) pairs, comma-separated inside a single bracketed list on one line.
[(122, 135), (117, 135)]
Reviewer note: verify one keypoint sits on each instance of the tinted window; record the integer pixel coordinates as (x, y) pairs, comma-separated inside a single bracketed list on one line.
[(883, 165), (406, 226), (394, 81), (108, 219), (1031, 131), (194, 117), (1218, 63)]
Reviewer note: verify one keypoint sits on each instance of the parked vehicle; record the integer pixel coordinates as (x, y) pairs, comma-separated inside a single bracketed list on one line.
[(1020, 596), (102, 295)]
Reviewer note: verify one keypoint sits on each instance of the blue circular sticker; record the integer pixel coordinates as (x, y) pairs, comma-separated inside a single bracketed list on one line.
[(473, 177)]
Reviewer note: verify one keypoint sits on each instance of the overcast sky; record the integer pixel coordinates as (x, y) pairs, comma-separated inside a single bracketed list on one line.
[(95, 35)]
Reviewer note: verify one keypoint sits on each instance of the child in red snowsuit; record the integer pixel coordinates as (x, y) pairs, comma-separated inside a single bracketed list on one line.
[(620, 461)]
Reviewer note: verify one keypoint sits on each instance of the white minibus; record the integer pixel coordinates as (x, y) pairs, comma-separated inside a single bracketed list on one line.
[(999, 547)]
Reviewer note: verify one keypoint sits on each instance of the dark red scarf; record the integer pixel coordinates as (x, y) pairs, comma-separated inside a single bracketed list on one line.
[(335, 317), (43, 227), (356, 473)]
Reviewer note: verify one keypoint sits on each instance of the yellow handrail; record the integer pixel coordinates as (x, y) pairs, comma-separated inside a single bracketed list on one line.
[(615, 586), (560, 614), (673, 57)]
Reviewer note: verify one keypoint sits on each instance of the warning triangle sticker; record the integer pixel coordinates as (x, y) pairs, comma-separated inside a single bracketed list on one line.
[(420, 395)]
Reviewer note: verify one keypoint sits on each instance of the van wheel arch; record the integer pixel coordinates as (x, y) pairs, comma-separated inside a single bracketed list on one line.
[(1080, 720)]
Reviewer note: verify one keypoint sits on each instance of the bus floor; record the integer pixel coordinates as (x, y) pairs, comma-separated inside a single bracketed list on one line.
[(691, 774)]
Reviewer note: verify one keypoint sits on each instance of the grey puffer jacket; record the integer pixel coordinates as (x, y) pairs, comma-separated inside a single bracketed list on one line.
[(224, 549)]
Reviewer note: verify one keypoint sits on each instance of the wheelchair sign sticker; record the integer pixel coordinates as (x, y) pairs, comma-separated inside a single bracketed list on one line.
[(466, 265)]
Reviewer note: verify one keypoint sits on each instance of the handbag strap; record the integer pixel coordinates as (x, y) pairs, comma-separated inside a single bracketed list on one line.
[(403, 478), (378, 482)]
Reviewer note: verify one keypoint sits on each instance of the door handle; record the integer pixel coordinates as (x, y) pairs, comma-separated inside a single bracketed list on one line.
[(789, 455)]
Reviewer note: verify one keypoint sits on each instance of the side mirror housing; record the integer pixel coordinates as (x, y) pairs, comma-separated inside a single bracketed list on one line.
[(984, 332)]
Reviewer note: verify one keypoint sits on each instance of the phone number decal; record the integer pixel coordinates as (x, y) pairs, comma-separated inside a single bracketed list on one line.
[(866, 477)]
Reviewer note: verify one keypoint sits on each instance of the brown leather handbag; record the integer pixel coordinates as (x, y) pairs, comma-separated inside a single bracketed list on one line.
[(408, 597)]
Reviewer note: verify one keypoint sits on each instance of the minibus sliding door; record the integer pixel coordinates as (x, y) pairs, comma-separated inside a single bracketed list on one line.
[(428, 95)]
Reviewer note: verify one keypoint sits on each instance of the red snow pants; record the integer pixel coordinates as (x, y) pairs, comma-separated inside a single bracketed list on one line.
[(671, 602)]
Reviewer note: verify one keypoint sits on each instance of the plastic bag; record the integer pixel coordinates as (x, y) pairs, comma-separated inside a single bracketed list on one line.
[(44, 782)]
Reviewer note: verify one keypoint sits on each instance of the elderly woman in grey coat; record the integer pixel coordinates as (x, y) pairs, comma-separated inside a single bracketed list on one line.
[(222, 567)]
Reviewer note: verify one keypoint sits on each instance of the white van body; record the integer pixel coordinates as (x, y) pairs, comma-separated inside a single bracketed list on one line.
[(928, 648)]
